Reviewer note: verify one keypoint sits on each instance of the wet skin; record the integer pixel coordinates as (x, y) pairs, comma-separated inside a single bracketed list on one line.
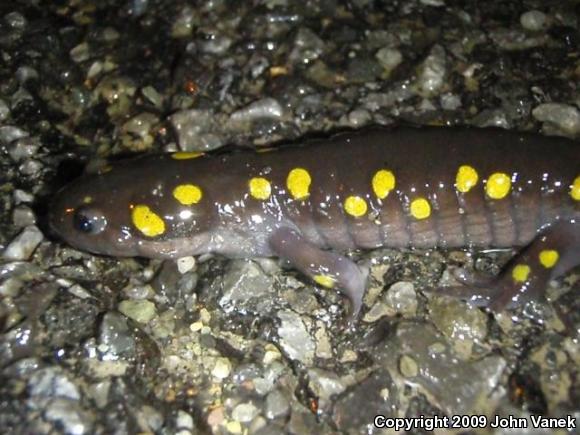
[(422, 188)]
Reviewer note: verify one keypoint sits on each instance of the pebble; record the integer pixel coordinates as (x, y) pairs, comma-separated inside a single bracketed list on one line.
[(23, 216), (458, 320), (408, 366), (68, 416), (80, 53), (216, 44), (23, 246), (245, 412), (193, 128), (432, 72), (563, 116), (53, 382), (4, 110), (534, 21), (389, 58), (234, 427), (266, 108), (325, 384), (140, 126), (185, 264), (25, 147), (16, 20), (9, 133), (402, 298), (295, 340), (141, 311), (184, 420), (222, 368), (115, 338), (277, 405), (245, 286), (183, 23), (307, 46), (26, 73)]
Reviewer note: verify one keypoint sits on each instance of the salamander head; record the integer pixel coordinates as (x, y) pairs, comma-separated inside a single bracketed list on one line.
[(119, 213)]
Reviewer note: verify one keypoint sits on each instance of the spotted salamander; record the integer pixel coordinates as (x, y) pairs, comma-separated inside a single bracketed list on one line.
[(423, 188)]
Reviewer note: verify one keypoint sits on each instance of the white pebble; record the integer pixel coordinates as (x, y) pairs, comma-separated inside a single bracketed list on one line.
[(24, 245), (534, 21)]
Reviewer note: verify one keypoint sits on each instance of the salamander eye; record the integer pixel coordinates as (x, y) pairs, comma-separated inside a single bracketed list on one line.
[(89, 221)]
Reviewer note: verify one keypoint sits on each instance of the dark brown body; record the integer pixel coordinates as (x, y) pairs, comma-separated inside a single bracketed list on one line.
[(425, 162)]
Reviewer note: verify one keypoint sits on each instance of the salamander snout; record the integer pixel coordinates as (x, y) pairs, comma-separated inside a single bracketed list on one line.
[(89, 223)]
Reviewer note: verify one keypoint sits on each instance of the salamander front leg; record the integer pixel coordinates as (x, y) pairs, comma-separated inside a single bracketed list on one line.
[(326, 268)]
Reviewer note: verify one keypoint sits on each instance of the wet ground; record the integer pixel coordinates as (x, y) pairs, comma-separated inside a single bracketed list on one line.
[(208, 345)]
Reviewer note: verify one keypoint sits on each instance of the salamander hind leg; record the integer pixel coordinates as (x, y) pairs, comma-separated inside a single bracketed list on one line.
[(326, 268), (553, 252)]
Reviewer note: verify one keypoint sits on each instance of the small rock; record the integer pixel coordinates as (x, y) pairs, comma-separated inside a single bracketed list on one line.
[(359, 117), (402, 298), (24, 148), (23, 216), (23, 246), (216, 44), (141, 311), (184, 420), (307, 46), (194, 130), (222, 368), (266, 108), (432, 72), (80, 53), (10, 133), (325, 384), (534, 21), (389, 58), (185, 264), (458, 320), (183, 24), (68, 416), (295, 339), (245, 412), (408, 367), (15, 20), (4, 110), (115, 338), (53, 382), (245, 286), (277, 405), (564, 117)]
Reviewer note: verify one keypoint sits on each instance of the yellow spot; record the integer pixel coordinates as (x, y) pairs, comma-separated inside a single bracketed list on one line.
[(355, 206), (498, 185), (187, 194), (575, 189), (87, 199), (184, 155), (466, 178), (383, 183), (298, 183), (324, 280), (420, 208), (549, 258), (521, 272), (260, 188), (146, 221)]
